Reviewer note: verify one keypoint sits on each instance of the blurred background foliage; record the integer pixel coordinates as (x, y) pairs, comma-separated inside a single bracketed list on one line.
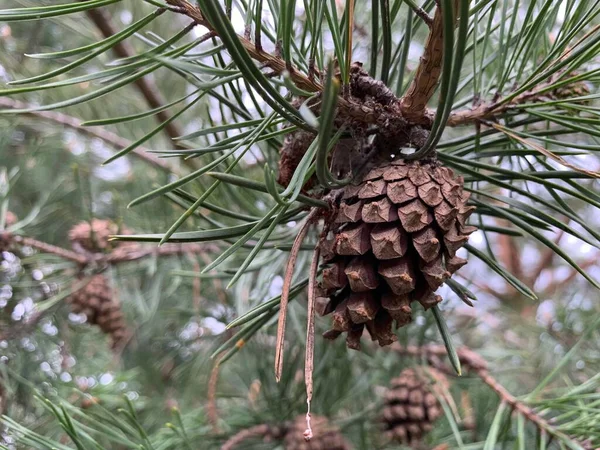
[(62, 386)]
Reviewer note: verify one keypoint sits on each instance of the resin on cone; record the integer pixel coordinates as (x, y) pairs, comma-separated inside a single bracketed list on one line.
[(410, 406), (392, 241), (325, 435), (96, 301)]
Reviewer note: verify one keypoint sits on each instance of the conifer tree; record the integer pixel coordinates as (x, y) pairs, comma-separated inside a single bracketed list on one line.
[(296, 224)]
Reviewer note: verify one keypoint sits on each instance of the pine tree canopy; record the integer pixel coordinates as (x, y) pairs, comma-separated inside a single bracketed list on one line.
[(299, 224)]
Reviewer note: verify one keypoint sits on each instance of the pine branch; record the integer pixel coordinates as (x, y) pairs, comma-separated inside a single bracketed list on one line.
[(44, 247), (119, 255), (413, 104), (490, 111), (110, 138), (148, 89), (477, 365), (276, 64), (263, 431)]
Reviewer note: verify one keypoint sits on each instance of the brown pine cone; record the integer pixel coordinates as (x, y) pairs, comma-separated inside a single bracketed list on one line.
[(393, 240), (325, 435), (96, 301), (410, 406), (10, 219), (94, 238)]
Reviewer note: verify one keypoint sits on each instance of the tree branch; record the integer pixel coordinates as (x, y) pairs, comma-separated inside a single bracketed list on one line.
[(276, 64), (413, 104), (478, 366), (123, 254), (110, 138), (263, 430), (148, 89)]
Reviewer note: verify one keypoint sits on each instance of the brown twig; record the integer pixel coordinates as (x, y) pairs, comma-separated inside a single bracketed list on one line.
[(285, 292), (148, 89), (274, 63), (108, 137), (411, 109), (211, 401), (413, 104), (263, 430), (133, 253), (118, 255), (44, 247)]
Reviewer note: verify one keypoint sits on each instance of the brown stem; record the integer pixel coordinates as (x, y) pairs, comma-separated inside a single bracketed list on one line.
[(545, 260), (108, 137), (211, 402), (263, 430), (276, 64), (413, 104), (119, 255), (131, 254), (149, 90), (52, 249)]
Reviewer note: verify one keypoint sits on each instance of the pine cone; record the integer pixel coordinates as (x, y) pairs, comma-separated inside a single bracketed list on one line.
[(94, 238), (95, 300), (410, 406), (10, 219), (393, 241), (325, 435)]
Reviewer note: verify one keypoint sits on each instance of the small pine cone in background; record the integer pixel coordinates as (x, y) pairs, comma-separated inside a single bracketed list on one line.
[(10, 219), (96, 301), (392, 241), (325, 435), (94, 238), (410, 406)]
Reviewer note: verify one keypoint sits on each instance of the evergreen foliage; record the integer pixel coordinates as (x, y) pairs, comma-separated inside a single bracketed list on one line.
[(222, 130)]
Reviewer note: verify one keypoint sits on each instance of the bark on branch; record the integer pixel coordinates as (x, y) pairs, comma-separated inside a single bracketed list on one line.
[(149, 90), (73, 123), (118, 255), (413, 104), (276, 64)]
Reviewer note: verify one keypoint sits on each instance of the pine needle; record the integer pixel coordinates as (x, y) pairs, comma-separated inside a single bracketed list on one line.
[(287, 282), (310, 338)]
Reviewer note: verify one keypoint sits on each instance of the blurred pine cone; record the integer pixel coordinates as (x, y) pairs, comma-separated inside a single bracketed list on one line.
[(392, 241), (94, 238), (10, 219), (96, 301), (410, 406), (325, 435)]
